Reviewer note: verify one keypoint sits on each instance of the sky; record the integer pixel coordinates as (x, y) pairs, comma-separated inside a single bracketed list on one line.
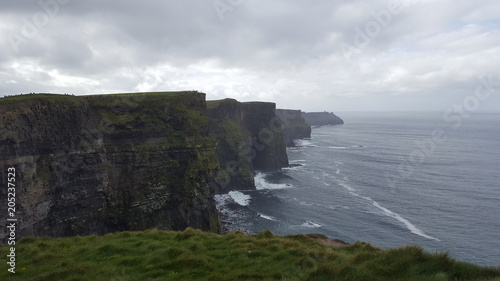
[(377, 55)]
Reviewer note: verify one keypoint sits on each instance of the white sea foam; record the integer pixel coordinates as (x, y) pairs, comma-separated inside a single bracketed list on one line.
[(303, 142), (304, 203), (346, 186), (311, 224), (408, 224), (412, 228), (346, 147), (267, 217), (221, 200), (261, 183), (240, 198)]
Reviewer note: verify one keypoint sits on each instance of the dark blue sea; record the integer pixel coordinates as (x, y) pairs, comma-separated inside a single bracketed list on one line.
[(391, 179)]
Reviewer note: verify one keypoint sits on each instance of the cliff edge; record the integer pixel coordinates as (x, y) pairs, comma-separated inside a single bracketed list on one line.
[(294, 125), (322, 118), (249, 138), (99, 164)]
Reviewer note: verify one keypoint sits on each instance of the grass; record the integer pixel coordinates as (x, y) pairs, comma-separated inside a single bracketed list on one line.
[(63, 99), (103, 98), (211, 104), (196, 255)]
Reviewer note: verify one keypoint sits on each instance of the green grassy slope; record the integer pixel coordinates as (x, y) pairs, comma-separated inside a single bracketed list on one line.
[(196, 255)]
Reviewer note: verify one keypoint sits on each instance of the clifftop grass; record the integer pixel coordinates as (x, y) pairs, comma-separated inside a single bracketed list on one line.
[(196, 255)]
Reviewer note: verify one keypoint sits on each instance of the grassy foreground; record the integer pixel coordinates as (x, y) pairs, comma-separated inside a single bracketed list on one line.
[(196, 255)]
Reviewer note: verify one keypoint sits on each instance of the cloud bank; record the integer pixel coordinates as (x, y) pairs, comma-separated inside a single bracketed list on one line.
[(323, 55)]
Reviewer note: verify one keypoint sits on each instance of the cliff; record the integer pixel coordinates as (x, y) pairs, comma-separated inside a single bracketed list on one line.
[(249, 138), (322, 118), (294, 125), (102, 164), (234, 144), (268, 148)]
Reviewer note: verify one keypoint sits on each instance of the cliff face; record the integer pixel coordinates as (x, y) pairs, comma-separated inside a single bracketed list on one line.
[(249, 138), (102, 164), (234, 144), (268, 147), (322, 118), (294, 125)]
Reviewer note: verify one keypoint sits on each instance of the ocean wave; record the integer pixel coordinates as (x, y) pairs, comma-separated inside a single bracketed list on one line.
[(408, 224), (261, 183), (304, 203), (240, 198), (411, 227), (221, 199), (295, 164), (346, 186), (346, 147), (311, 224), (267, 217), (304, 143), (299, 160)]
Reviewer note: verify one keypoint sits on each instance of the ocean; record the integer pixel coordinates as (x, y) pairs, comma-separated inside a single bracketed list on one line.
[(390, 179)]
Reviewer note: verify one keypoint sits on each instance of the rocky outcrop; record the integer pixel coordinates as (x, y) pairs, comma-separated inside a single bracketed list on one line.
[(234, 144), (89, 165), (268, 148), (294, 125), (322, 118), (249, 138)]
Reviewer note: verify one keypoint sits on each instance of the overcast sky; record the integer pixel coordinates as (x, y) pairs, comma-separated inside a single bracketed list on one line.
[(312, 55)]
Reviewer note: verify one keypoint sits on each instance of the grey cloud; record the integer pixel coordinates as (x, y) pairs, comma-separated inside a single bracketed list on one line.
[(287, 51)]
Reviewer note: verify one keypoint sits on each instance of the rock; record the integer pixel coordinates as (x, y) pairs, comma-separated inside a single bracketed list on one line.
[(322, 118), (249, 138), (96, 165), (268, 147), (294, 125), (99, 164)]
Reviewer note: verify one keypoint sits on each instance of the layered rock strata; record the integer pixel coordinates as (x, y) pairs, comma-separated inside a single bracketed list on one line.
[(249, 139), (99, 164), (294, 125)]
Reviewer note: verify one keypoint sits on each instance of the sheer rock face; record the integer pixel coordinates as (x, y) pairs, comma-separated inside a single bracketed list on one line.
[(322, 118), (94, 165), (268, 147), (249, 138), (294, 125), (99, 164)]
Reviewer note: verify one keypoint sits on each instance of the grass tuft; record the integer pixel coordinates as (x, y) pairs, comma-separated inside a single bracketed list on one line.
[(196, 255)]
